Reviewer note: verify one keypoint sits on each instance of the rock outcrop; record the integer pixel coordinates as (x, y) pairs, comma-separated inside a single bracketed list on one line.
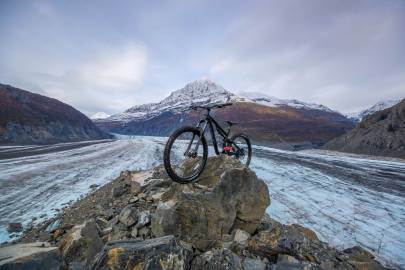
[(224, 200), (217, 223), (381, 133), (31, 256), (158, 253)]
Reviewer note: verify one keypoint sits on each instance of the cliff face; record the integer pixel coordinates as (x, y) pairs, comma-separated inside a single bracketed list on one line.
[(381, 134), (143, 220), (28, 118)]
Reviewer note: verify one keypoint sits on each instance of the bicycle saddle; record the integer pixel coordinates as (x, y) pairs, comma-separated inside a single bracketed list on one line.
[(231, 123)]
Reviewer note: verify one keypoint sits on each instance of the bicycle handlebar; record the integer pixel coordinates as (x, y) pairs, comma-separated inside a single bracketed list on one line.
[(211, 107)]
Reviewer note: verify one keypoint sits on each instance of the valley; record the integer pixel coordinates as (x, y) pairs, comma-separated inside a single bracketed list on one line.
[(347, 199)]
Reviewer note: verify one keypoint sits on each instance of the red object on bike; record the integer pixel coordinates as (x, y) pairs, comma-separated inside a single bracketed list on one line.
[(227, 148)]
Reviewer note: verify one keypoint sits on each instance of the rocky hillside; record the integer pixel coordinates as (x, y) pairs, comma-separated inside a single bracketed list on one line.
[(28, 118), (263, 118), (381, 133), (379, 106), (143, 220)]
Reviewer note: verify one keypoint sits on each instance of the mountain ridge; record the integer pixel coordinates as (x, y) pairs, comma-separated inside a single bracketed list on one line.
[(381, 133), (379, 106), (284, 120), (29, 118), (204, 92)]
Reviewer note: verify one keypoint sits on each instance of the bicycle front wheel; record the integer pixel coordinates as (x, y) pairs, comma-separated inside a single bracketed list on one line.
[(185, 155)]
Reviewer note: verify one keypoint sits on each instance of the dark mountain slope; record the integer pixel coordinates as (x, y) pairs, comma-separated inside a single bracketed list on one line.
[(262, 123), (28, 118), (381, 133)]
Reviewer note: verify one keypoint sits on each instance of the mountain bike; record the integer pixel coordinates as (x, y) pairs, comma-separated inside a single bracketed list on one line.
[(186, 151)]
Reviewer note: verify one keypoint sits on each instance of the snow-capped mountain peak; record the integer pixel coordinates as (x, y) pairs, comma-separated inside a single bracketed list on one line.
[(99, 115), (277, 102), (379, 106), (204, 92), (199, 92)]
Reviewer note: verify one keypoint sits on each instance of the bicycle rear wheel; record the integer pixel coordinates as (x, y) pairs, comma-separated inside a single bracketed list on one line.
[(185, 155), (242, 148)]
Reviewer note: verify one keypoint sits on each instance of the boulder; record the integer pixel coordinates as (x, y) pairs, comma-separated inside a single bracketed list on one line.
[(80, 245), (362, 259), (227, 197), (135, 187), (152, 254), (143, 219), (296, 241), (253, 264), (241, 237), (118, 232), (128, 216), (30, 256), (217, 259), (119, 190)]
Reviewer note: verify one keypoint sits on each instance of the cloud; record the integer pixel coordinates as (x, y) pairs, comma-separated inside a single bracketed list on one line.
[(343, 54), (107, 82), (118, 68)]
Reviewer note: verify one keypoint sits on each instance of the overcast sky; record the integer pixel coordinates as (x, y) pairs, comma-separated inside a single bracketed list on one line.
[(110, 55)]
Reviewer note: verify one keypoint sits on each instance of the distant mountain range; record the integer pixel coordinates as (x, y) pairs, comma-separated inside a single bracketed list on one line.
[(28, 118), (262, 117), (379, 106), (270, 101), (380, 133)]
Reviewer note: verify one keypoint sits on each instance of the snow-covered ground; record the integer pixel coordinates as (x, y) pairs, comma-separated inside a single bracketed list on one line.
[(347, 199)]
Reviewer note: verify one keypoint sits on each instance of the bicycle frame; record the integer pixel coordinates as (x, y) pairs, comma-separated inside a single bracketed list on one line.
[(202, 126)]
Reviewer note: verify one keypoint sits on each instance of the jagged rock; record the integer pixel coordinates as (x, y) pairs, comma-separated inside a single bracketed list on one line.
[(308, 233), (154, 254), (217, 259), (296, 266), (143, 219), (133, 200), (286, 258), (125, 175), (362, 259), (301, 244), (119, 232), (144, 232), (31, 256), (241, 237), (134, 232), (101, 222), (253, 264), (358, 253), (135, 187), (14, 227), (80, 245), (128, 216), (119, 190), (289, 262), (236, 199)]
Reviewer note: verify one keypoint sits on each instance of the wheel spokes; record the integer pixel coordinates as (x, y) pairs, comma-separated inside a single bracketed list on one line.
[(186, 155)]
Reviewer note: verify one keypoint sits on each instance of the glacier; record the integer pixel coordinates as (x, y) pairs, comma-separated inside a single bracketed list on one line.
[(346, 199)]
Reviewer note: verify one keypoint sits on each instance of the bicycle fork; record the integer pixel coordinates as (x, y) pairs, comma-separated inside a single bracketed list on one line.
[(194, 152)]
